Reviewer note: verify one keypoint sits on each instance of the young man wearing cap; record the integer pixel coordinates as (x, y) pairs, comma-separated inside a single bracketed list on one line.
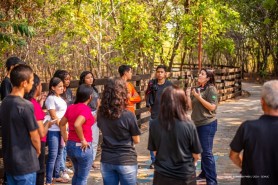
[(6, 85)]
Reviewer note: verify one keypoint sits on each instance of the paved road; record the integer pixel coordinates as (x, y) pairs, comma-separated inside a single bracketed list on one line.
[(230, 115)]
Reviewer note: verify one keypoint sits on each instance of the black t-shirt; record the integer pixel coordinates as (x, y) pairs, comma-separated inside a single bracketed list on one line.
[(6, 87), (156, 106), (17, 120), (174, 148), (117, 146), (258, 140)]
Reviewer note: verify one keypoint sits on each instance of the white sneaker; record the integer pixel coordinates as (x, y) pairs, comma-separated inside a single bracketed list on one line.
[(69, 171), (64, 175)]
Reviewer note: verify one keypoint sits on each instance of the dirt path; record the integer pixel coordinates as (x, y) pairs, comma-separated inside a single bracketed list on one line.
[(230, 115)]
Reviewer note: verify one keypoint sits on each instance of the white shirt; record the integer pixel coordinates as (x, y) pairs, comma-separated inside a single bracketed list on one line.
[(58, 104)]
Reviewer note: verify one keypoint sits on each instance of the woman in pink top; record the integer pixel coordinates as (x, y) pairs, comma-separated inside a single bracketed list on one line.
[(80, 120), (43, 128)]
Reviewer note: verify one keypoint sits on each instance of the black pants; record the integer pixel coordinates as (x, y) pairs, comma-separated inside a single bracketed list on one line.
[(163, 180), (41, 172)]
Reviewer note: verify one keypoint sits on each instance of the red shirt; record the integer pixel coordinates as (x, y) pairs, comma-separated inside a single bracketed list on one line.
[(39, 114), (72, 113)]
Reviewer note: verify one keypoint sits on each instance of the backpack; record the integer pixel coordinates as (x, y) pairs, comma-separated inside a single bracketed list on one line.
[(151, 92)]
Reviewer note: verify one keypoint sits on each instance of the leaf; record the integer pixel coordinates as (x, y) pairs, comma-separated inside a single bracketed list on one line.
[(15, 27), (21, 29)]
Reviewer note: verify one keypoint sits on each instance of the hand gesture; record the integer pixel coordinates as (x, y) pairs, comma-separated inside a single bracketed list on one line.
[(196, 92)]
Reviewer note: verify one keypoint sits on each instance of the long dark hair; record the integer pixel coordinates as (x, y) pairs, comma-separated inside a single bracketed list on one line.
[(114, 99), (210, 75), (53, 83), (83, 93), (62, 74), (82, 79), (37, 81), (173, 106)]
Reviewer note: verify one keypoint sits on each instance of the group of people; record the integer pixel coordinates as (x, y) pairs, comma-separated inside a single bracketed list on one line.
[(70, 128)]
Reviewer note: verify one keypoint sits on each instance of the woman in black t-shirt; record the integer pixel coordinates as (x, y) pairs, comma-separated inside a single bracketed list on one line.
[(120, 132), (174, 138)]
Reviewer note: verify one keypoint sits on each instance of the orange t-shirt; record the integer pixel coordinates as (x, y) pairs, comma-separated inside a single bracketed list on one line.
[(134, 97)]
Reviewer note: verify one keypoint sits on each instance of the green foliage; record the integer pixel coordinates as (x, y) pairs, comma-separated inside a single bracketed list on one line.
[(78, 34), (259, 20)]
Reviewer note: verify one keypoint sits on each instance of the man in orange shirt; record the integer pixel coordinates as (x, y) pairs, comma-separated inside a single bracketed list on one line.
[(133, 97)]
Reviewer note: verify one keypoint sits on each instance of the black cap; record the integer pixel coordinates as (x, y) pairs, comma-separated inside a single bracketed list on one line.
[(13, 61)]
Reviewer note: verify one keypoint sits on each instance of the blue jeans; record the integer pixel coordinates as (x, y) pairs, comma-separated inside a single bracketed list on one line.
[(206, 134), (63, 160), (151, 152), (152, 156), (82, 162), (113, 174), (27, 179), (54, 155)]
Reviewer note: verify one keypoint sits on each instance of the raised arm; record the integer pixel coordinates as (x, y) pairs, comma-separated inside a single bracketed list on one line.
[(188, 98), (205, 103)]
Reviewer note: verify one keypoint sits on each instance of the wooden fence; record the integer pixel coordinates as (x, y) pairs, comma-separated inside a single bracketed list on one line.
[(227, 80), (228, 83)]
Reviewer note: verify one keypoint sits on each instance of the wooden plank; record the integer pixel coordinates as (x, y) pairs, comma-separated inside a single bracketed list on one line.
[(220, 71), (219, 77), (226, 90), (100, 81), (177, 74), (219, 85), (223, 98), (141, 110), (141, 77), (229, 83), (143, 120), (230, 77)]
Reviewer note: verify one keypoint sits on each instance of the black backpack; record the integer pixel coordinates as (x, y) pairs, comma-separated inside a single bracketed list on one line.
[(151, 92)]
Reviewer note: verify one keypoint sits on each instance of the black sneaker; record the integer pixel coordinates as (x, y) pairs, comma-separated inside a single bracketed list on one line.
[(152, 165)]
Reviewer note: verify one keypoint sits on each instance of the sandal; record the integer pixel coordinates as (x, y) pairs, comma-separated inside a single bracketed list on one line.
[(61, 180), (95, 167)]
